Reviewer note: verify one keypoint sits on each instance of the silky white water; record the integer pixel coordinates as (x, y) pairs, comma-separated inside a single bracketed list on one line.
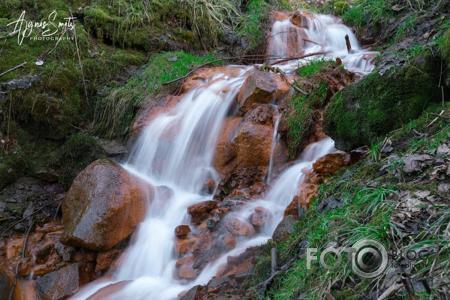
[(174, 154), (321, 33)]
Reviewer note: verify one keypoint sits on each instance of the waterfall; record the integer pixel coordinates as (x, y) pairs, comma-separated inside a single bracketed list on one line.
[(174, 153), (317, 33), (275, 139)]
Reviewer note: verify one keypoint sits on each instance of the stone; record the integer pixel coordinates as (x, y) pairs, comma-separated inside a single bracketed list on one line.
[(103, 206), (260, 217), (329, 203), (59, 284), (109, 290), (201, 211), (25, 290), (331, 163), (414, 162), (284, 229), (105, 260), (258, 88), (182, 231), (239, 227)]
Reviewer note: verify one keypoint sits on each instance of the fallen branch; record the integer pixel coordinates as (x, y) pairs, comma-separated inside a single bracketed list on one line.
[(13, 68), (215, 61), (435, 119), (389, 291), (22, 256), (296, 57)]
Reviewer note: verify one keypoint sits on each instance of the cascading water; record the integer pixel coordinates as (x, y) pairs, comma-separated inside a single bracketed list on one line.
[(275, 139), (316, 33), (175, 153)]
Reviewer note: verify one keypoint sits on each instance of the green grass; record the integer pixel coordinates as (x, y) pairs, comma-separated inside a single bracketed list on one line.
[(251, 23), (363, 12), (313, 67), (367, 213), (406, 26), (115, 112)]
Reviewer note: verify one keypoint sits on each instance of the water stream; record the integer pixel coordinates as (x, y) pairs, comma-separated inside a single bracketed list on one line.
[(175, 152)]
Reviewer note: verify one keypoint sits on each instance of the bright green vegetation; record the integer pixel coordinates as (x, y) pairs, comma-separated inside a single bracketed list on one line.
[(303, 107), (313, 67), (362, 12), (140, 24), (368, 210), (405, 26), (115, 112), (254, 22), (372, 107)]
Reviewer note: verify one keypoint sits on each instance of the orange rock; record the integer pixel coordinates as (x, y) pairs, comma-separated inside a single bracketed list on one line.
[(201, 211), (225, 153), (25, 290), (106, 259), (185, 246), (258, 88), (182, 231), (331, 163), (103, 206), (154, 108), (238, 227), (109, 290), (253, 145), (260, 217), (229, 241), (185, 269)]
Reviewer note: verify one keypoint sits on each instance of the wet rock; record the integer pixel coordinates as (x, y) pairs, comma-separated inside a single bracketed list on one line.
[(284, 229), (239, 227), (225, 152), (444, 189), (103, 206), (185, 269), (5, 285), (229, 241), (109, 290), (195, 293), (182, 231), (185, 246), (260, 217), (415, 162), (59, 284), (258, 88), (253, 144), (113, 147), (443, 150), (201, 211), (105, 260), (329, 204), (24, 82), (26, 290), (331, 163)]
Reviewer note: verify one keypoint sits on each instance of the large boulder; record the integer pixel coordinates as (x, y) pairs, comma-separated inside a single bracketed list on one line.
[(365, 111), (59, 284), (103, 206), (261, 88)]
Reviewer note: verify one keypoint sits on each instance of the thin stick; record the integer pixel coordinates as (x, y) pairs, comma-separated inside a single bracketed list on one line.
[(296, 57), (79, 60), (212, 62), (437, 118), (13, 68), (348, 44), (22, 255)]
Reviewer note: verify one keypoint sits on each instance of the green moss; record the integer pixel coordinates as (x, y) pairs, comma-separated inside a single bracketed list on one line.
[(313, 67), (363, 12), (75, 154), (377, 104), (299, 123), (116, 111)]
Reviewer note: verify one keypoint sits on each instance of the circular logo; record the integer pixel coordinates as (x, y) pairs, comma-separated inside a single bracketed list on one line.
[(369, 258)]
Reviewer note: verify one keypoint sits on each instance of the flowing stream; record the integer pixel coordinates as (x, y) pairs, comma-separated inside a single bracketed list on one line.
[(175, 152)]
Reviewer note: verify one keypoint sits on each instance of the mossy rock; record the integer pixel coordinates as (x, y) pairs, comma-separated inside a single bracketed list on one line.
[(363, 112)]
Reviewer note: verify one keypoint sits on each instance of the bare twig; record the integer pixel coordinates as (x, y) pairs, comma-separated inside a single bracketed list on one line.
[(13, 68), (297, 57), (22, 256), (435, 119), (389, 291)]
